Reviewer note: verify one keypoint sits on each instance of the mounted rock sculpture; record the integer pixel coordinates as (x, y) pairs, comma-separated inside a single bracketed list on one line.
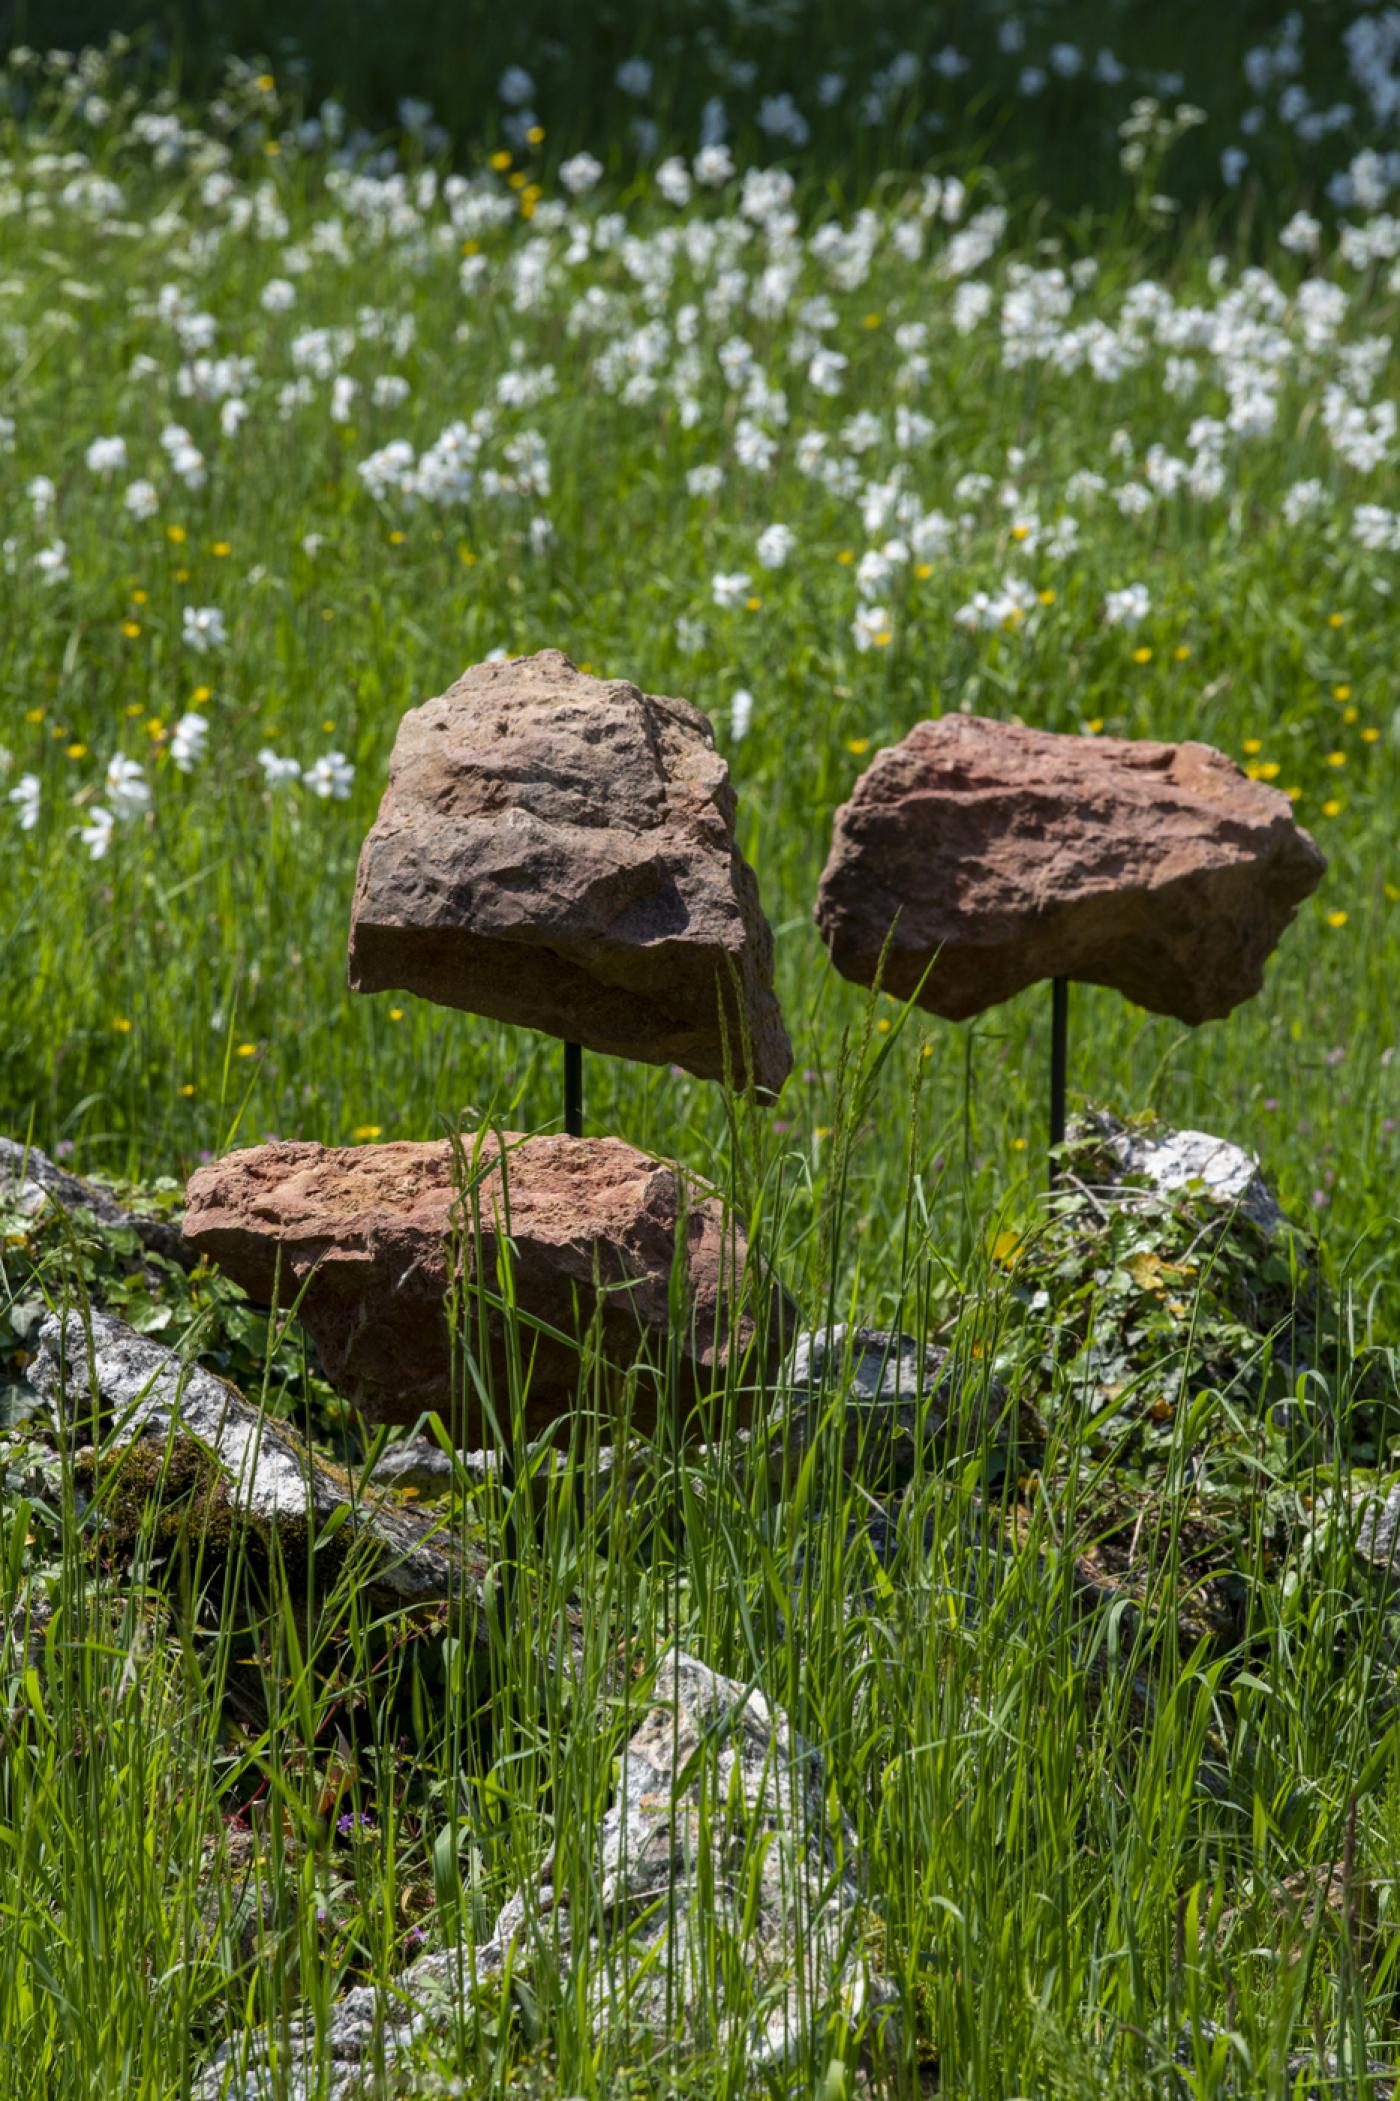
[(992, 856), (368, 1241), (558, 850)]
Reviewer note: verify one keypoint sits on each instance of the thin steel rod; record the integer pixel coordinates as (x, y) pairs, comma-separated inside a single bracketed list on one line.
[(1059, 1063), (573, 1089)]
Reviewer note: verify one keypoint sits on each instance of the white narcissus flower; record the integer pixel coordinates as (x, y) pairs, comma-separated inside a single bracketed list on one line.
[(203, 628), (127, 791), (580, 174), (96, 834), (775, 544), (106, 456), (331, 777), (278, 772), (187, 740), (26, 795), (142, 499), (871, 627), (730, 589), (1127, 607)]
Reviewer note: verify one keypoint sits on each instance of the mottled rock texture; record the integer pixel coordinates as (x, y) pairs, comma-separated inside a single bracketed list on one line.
[(720, 1908), (1002, 855), (558, 850), (366, 1241), (222, 1466)]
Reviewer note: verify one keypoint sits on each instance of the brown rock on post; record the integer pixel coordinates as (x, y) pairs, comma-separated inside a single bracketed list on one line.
[(369, 1231), (558, 850), (1003, 855)]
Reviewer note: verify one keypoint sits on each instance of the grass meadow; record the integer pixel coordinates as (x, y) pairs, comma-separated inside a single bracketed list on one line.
[(1000, 376)]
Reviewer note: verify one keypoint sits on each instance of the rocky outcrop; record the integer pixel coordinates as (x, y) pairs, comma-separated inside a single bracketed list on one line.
[(990, 856), (719, 1904), (559, 850), (369, 1242), (172, 1437), (30, 1182)]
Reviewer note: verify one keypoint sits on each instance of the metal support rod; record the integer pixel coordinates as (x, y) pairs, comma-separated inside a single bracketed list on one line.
[(1059, 1059), (573, 1089)]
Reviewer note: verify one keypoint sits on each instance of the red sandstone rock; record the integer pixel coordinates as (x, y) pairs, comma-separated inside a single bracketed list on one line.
[(559, 850), (1010, 854), (370, 1231)]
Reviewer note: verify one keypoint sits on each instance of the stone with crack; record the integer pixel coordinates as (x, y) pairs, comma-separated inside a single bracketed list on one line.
[(977, 857), (559, 851)]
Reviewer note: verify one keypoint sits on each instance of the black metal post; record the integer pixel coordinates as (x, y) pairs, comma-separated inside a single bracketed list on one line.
[(1059, 1059), (573, 1089)]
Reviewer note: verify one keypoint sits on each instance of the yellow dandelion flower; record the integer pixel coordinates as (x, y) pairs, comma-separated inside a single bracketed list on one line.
[(1048, 597), (134, 709), (77, 751), (139, 597), (1293, 794), (203, 693), (1370, 734), (1251, 745), (872, 320), (1350, 715), (182, 576), (535, 135), (1020, 532), (1094, 725), (471, 247), (752, 605), (516, 181), (466, 557), (1341, 693), (188, 1089), (924, 570), (1142, 655), (328, 725), (1336, 919), (365, 1131), (1392, 891), (34, 715), (1336, 758), (246, 1050), (176, 534), (266, 82), (131, 629), (845, 557), (122, 1026), (271, 148), (822, 1131), (857, 745), (1335, 619), (396, 1013), (221, 548), (1332, 808), (883, 1026), (397, 538), (883, 638), (1018, 1145), (1182, 652)]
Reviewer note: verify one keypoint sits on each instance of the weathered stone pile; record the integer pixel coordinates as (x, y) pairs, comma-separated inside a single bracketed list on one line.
[(554, 850), (558, 850)]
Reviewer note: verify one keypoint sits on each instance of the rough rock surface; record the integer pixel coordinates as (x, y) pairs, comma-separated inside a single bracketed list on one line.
[(558, 850), (1170, 1160), (249, 1464), (365, 1237), (894, 1395), (723, 1905), (1012, 854), (30, 1180)]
